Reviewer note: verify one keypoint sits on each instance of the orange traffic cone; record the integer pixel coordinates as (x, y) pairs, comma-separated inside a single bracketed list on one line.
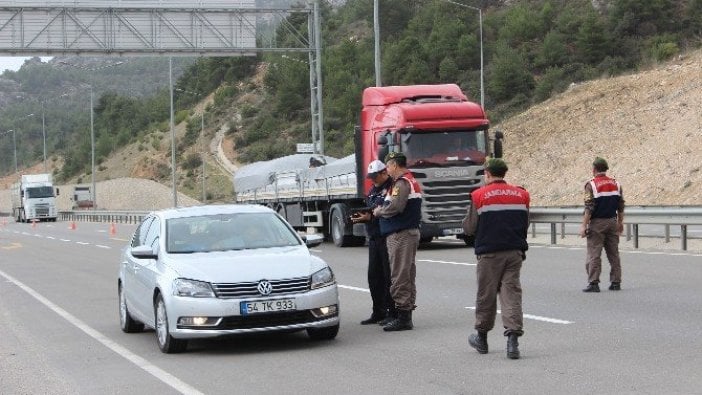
[(73, 225), (113, 229)]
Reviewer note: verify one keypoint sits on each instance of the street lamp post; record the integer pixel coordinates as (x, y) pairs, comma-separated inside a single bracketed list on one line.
[(92, 125), (92, 150), (173, 161), (43, 133), (14, 147)]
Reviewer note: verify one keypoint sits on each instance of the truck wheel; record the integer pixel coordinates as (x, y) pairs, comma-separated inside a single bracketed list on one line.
[(338, 226), (426, 240)]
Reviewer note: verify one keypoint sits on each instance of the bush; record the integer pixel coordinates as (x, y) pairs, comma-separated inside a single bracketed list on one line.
[(664, 51)]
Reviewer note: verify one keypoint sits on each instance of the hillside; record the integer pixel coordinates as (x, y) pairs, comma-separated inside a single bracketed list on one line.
[(647, 125)]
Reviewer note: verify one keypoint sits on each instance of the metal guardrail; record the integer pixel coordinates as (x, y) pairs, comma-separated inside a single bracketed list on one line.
[(634, 216), (125, 217), (666, 216)]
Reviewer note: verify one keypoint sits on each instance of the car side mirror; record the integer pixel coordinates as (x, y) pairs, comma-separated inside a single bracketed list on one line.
[(144, 252), (313, 240)]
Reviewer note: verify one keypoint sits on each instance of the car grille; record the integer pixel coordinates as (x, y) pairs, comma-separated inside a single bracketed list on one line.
[(250, 289), (268, 320)]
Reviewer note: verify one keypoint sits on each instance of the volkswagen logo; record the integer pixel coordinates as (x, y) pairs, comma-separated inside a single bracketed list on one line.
[(264, 287)]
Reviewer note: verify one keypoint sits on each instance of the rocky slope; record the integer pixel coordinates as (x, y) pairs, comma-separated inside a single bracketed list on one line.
[(647, 125)]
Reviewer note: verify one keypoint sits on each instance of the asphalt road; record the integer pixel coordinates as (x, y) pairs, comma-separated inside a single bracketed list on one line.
[(60, 328)]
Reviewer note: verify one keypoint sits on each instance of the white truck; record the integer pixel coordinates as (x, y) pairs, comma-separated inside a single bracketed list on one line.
[(82, 197), (33, 198)]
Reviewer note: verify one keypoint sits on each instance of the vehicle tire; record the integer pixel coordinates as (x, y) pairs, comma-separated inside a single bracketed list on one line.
[(167, 343), (126, 322), (338, 226), (326, 333), (426, 240)]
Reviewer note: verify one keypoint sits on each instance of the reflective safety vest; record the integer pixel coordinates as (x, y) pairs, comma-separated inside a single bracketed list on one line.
[(503, 217), (607, 194), (411, 216)]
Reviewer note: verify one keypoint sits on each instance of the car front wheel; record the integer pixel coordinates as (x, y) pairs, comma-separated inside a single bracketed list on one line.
[(167, 343), (326, 333), (126, 322)]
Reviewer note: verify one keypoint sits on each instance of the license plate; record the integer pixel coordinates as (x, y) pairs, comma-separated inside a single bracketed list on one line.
[(453, 231), (267, 306)]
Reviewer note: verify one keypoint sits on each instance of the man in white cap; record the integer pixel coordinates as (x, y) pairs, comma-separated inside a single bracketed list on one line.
[(378, 261)]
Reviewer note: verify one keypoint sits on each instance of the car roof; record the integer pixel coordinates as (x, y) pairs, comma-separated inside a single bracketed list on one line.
[(214, 209)]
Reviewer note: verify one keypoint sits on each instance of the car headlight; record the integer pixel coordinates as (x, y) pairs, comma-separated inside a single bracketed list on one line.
[(192, 288), (322, 278)]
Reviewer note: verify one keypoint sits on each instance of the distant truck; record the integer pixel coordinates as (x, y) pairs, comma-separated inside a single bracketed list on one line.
[(33, 198), (82, 197), (444, 136)]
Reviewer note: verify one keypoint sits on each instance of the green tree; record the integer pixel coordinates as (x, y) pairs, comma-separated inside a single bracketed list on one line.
[(509, 75)]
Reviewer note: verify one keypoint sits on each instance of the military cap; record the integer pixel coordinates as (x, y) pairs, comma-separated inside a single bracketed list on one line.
[(600, 164), (395, 155), (496, 166)]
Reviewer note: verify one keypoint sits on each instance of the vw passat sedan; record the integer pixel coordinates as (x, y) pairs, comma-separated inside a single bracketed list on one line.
[(210, 271)]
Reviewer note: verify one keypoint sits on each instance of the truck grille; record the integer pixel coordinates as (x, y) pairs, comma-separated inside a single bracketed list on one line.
[(250, 289), (446, 199), (41, 210)]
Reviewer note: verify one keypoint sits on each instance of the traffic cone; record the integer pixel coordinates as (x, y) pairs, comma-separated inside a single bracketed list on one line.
[(73, 225), (113, 229), (34, 223)]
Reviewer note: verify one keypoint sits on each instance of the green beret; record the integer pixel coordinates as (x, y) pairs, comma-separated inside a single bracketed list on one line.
[(395, 155), (496, 166), (600, 164)]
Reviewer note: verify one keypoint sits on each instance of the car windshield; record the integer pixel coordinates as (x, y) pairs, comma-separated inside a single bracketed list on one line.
[(225, 232), (40, 192), (444, 149)]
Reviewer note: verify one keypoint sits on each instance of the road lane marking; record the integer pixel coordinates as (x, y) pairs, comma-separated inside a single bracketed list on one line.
[(65, 240), (12, 246), (140, 362), (102, 246), (449, 262), (534, 317), (82, 243), (354, 288), (51, 237)]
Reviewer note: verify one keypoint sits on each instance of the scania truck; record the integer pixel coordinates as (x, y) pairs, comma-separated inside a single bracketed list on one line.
[(33, 198), (444, 136)]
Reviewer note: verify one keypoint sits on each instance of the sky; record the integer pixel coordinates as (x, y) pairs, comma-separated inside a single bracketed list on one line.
[(14, 63)]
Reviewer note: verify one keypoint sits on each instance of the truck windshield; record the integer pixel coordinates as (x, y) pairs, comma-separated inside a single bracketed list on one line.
[(40, 192), (444, 148)]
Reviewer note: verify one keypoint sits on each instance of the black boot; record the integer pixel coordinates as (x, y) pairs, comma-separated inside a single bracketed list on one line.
[(390, 316), (512, 346), (403, 322), (479, 342), (592, 287), (615, 287), (373, 319)]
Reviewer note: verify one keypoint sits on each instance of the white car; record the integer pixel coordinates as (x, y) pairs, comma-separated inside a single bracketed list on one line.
[(217, 270)]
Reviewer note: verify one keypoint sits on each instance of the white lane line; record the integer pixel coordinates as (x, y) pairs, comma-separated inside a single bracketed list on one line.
[(535, 317), (82, 243), (64, 240), (102, 246), (51, 237), (354, 288), (140, 362), (37, 235), (449, 262)]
